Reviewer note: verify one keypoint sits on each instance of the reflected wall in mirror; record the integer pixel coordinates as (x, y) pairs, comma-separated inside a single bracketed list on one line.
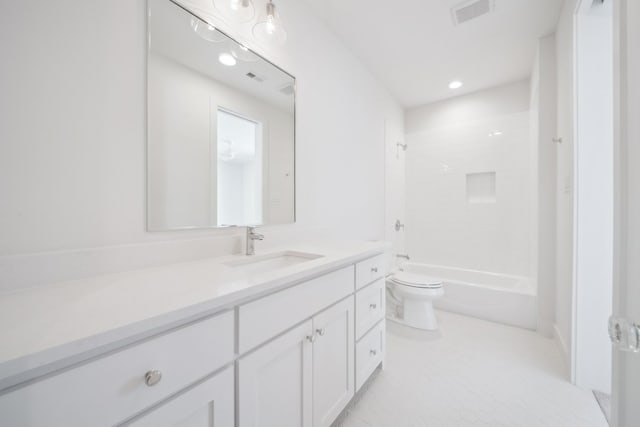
[(220, 128)]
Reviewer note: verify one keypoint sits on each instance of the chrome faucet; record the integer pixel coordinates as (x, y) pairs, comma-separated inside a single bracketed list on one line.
[(405, 256), (252, 236)]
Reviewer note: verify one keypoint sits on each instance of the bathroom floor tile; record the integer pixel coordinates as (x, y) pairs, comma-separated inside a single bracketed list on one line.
[(473, 373)]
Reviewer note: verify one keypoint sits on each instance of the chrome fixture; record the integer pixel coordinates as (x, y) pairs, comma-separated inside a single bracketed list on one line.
[(398, 225), (320, 331), (152, 378), (405, 256), (557, 140), (403, 146), (269, 27), (252, 236), (624, 334)]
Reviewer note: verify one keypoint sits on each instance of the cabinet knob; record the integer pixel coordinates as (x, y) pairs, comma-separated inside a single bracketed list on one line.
[(373, 306), (374, 269), (373, 352), (311, 338), (152, 378), (320, 331)]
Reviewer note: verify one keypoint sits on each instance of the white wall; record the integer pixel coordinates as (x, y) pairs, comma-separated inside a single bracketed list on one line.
[(626, 375), (543, 156), (564, 176), (594, 195), (450, 139), (72, 126)]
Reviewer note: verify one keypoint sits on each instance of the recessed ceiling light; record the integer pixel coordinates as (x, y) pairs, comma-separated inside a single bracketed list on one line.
[(456, 84), (227, 59)]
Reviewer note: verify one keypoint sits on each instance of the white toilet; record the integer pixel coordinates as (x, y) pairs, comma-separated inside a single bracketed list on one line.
[(414, 294)]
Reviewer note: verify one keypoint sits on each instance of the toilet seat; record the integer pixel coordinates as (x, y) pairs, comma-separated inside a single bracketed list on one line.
[(415, 280)]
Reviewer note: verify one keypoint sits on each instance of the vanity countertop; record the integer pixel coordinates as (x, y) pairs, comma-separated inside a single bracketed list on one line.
[(52, 326)]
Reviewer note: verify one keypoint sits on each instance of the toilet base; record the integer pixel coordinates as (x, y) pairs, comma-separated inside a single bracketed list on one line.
[(417, 314)]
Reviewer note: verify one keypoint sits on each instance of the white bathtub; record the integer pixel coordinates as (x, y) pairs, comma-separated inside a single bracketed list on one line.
[(498, 297)]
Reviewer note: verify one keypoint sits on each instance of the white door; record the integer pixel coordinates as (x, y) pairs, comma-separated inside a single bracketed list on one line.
[(626, 365), (333, 361), (274, 382), (209, 404)]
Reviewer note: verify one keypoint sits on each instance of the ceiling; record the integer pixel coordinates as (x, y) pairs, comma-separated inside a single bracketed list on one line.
[(414, 48)]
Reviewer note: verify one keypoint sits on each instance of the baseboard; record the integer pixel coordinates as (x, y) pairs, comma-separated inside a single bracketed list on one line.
[(564, 349)]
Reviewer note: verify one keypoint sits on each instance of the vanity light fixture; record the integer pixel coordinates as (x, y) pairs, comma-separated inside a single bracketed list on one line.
[(237, 11), (455, 84), (205, 30), (269, 27), (227, 59)]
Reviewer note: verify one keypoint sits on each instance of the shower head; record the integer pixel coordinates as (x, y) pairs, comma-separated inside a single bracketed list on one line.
[(403, 146)]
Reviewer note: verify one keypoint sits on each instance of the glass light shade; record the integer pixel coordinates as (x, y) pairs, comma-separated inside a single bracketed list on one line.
[(242, 53), (269, 28), (237, 11), (206, 31)]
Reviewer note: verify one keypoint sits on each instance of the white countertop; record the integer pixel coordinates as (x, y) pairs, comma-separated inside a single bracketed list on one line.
[(52, 326)]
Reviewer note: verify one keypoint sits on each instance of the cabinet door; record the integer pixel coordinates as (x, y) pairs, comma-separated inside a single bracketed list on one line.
[(208, 404), (274, 382), (333, 361)]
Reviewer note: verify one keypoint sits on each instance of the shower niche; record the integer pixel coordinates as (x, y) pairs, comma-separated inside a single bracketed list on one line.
[(481, 187)]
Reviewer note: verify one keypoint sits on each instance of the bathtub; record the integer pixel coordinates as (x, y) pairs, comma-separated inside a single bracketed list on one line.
[(497, 297)]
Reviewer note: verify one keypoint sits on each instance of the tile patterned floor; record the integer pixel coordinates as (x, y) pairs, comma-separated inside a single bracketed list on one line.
[(474, 373)]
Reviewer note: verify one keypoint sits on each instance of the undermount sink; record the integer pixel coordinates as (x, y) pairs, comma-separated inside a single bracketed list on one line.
[(271, 262)]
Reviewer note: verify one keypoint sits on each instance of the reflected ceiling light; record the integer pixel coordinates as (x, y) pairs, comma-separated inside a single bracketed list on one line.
[(456, 84), (269, 28), (243, 53), (237, 11), (227, 59), (495, 133), (205, 30)]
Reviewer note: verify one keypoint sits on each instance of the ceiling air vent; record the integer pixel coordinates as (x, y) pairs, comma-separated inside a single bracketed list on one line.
[(255, 77), (469, 10)]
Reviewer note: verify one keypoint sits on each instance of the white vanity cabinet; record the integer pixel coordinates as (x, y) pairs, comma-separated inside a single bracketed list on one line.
[(210, 403), (304, 377), (291, 357)]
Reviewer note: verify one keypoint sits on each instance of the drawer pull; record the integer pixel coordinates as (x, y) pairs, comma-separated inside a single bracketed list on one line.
[(311, 338), (152, 378), (374, 269), (373, 306), (320, 331), (373, 352)]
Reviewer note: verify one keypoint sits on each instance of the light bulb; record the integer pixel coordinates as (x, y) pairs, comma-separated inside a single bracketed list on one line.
[(235, 11), (269, 28)]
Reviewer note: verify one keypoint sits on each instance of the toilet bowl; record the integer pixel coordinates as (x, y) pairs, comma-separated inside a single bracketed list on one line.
[(414, 294)]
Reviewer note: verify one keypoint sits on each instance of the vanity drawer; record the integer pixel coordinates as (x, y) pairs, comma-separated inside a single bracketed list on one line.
[(108, 390), (369, 353), (369, 306), (369, 270), (260, 320)]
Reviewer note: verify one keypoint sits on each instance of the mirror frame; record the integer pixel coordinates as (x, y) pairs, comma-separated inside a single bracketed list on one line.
[(146, 151)]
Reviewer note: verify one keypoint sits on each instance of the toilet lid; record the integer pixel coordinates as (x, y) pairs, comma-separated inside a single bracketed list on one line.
[(415, 280)]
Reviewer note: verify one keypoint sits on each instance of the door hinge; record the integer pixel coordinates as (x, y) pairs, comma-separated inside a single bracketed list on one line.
[(624, 334)]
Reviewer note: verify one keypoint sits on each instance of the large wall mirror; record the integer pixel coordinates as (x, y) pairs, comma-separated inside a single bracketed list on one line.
[(220, 128)]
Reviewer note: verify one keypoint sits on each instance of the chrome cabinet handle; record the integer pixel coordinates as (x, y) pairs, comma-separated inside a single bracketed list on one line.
[(320, 331), (311, 338), (374, 269), (152, 378), (373, 352), (373, 306)]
